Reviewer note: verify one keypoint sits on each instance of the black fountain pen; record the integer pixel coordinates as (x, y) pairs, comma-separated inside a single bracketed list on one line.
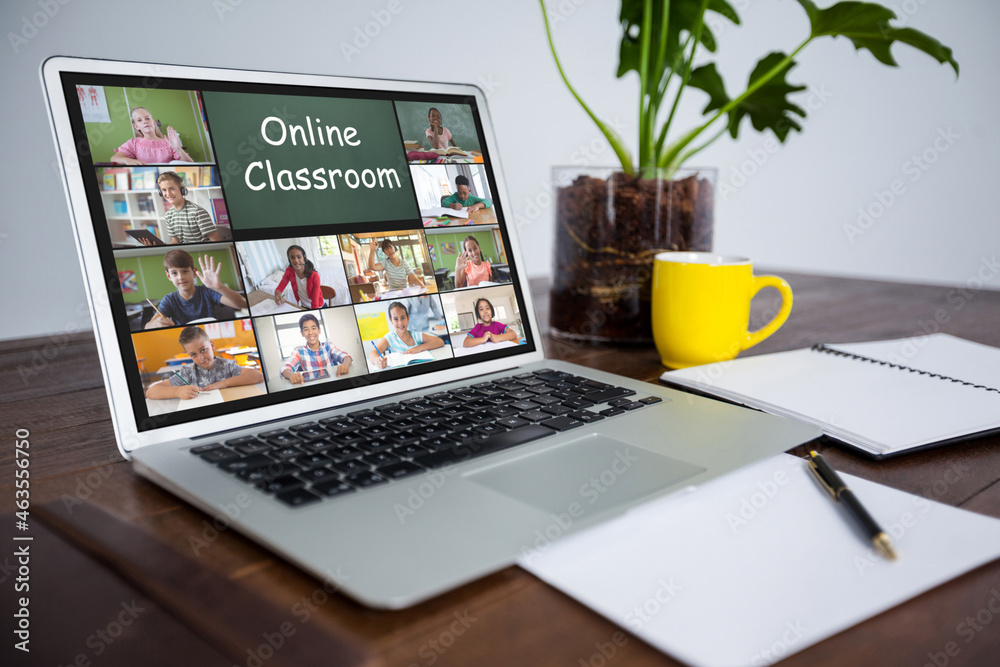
[(840, 491)]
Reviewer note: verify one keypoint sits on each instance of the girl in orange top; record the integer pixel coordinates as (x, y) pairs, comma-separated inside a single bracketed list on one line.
[(471, 267)]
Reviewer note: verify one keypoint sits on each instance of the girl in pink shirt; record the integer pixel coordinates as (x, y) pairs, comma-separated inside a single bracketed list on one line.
[(149, 146), (488, 331), (471, 268), (439, 137)]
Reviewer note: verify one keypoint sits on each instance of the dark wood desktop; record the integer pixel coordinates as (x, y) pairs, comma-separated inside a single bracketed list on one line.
[(209, 596)]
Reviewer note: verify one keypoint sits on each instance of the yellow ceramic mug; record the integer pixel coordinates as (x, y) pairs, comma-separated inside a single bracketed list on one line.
[(701, 307)]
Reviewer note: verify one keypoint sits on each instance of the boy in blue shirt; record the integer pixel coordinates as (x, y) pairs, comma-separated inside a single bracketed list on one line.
[(190, 301)]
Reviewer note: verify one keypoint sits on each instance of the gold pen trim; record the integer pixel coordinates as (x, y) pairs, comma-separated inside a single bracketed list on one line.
[(815, 471)]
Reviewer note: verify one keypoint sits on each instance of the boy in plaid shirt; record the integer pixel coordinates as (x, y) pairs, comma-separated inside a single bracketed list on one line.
[(314, 355)]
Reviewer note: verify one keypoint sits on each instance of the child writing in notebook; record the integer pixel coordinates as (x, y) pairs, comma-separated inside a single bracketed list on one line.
[(149, 146), (191, 301), (304, 277), (463, 197), (314, 355), (437, 135), (488, 330), (400, 339), (208, 372), (471, 267)]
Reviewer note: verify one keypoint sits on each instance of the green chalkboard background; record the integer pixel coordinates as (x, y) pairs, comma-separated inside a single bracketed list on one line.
[(456, 117), (235, 122)]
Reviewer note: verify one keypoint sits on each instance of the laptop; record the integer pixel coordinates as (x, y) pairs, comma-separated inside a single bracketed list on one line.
[(395, 441)]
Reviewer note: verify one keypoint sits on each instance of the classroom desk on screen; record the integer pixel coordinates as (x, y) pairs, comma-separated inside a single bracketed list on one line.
[(511, 618)]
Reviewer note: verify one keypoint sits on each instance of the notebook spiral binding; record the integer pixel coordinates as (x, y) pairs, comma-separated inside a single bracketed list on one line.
[(829, 350)]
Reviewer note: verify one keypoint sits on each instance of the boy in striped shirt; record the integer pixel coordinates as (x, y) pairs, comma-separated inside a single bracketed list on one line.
[(186, 222), (314, 356)]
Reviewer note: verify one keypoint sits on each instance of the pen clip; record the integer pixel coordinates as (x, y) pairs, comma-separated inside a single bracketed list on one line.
[(825, 484)]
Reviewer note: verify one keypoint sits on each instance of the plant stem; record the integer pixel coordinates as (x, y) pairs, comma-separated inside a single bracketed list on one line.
[(668, 159), (684, 78), (684, 158), (609, 134), (647, 37)]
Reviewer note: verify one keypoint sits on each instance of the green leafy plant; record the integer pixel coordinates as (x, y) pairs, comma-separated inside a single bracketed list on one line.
[(660, 41)]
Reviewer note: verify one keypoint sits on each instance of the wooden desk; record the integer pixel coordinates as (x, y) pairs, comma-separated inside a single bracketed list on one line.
[(519, 620)]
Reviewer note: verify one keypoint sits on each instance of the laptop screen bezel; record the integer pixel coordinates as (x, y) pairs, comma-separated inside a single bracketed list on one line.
[(109, 345)]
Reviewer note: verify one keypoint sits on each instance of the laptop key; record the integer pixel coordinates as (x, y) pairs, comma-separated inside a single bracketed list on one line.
[(494, 443), (555, 411), (615, 402), (578, 403), (605, 395), (312, 461), (301, 427), (235, 442), (284, 440), (520, 395), (545, 399), (319, 475), (537, 415), (401, 439), (631, 405), (380, 459), (349, 467), (338, 425), (201, 449), (332, 487), (512, 422), (611, 412), (563, 423), (246, 463), (650, 400), (502, 411), (586, 416), (398, 470), (345, 453), (410, 450), (490, 429), (255, 447), (219, 455), (366, 478), (439, 442), (373, 446), (280, 484), (297, 497)]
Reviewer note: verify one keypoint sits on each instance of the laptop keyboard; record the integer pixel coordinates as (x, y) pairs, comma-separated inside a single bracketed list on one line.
[(308, 462)]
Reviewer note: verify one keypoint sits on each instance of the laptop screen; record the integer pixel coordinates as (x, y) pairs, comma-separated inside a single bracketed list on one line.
[(262, 243)]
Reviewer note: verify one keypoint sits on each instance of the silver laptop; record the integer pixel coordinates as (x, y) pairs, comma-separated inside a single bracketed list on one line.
[(334, 349)]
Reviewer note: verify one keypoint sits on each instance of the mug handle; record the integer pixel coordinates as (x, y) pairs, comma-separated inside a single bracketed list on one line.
[(759, 283)]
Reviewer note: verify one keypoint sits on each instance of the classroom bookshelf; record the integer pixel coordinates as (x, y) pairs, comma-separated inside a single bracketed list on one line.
[(131, 200)]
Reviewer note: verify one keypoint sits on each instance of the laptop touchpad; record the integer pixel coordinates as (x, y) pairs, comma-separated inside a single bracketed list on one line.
[(586, 477)]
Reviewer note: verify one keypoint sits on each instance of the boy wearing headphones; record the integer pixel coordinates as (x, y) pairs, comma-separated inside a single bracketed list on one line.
[(186, 222)]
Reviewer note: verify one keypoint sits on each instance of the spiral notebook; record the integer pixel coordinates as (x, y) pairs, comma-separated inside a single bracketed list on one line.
[(883, 398)]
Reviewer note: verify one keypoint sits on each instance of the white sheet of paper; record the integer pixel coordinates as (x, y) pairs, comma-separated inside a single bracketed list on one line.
[(204, 398), (765, 554)]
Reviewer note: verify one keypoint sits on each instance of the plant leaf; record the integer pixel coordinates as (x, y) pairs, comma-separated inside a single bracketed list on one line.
[(866, 24), (684, 15), (768, 107)]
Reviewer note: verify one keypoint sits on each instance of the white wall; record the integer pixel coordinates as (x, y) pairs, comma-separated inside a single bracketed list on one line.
[(867, 123)]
